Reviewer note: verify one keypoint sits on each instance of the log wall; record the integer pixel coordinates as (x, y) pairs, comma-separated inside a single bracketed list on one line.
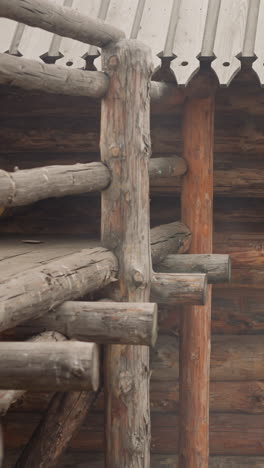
[(60, 130)]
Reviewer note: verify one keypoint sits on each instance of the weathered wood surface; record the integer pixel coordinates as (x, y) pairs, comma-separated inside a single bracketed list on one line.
[(176, 288), (49, 366), (67, 22), (217, 267), (168, 238), (106, 323), (167, 167), (125, 147), (31, 294), (37, 76), (28, 186), (236, 397), (9, 397), (75, 459), (234, 358), (226, 436), (195, 328), (50, 439)]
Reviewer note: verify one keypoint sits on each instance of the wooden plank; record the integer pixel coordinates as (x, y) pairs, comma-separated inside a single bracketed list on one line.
[(258, 49), (197, 211), (125, 147), (229, 39), (7, 28), (188, 39), (60, 20)]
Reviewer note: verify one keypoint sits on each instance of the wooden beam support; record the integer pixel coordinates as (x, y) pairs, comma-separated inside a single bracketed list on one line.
[(217, 267), (62, 420), (103, 322), (38, 76), (68, 22), (125, 147), (47, 366), (167, 239), (172, 166), (32, 293), (27, 186), (9, 397), (175, 288), (197, 213)]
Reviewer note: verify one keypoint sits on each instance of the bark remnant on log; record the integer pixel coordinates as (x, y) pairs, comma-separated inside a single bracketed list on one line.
[(197, 213), (125, 148)]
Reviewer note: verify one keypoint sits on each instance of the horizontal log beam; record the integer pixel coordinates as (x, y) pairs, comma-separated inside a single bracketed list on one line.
[(37, 76), (41, 366), (169, 238), (28, 186), (60, 20), (174, 288), (217, 267), (31, 294), (24, 187), (104, 322), (9, 397)]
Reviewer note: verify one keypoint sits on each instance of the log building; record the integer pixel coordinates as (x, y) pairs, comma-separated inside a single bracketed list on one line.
[(131, 233)]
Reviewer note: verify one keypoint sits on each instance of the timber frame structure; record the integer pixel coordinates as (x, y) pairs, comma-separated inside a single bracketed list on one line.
[(102, 345)]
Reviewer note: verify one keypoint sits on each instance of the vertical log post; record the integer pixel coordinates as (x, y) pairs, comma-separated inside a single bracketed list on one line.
[(197, 214), (125, 149)]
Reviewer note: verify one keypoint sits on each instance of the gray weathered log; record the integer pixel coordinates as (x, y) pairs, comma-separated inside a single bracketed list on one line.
[(38, 76), (28, 186), (65, 413), (9, 397), (63, 21), (103, 322), (125, 147), (31, 294), (176, 288), (48, 366), (171, 166), (217, 267), (167, 239)]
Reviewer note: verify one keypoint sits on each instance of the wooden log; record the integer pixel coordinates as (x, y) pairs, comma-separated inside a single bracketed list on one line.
[(9, 397), (106, 323), (24, 187), (217, 267), (172, 166), (31, 294), (49, 366), (125, 147), (176, 288), (59, 20), (197, 213), (38, 76), (65, 414), (169, 238), (234, 358)]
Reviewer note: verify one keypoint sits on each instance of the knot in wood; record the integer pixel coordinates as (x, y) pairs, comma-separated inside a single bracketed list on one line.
[(125, 382), (138, 278), (113, 62)]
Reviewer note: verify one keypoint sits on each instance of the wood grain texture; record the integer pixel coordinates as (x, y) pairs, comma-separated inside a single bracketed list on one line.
[(37, 76), (105, 323), (125, 148), (197, 212), (176, 288), (62, 21), (37, 291), (9, 397), (49, 366)]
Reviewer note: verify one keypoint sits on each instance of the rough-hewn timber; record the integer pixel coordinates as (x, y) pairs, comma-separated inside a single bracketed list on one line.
[(176, 288), (51, 437), (125, 147), (197, 213), (217, 267), (9, 397), (24, 187), (103, 322), (49, 366), (172, 166), (63, 21), (30, 294)]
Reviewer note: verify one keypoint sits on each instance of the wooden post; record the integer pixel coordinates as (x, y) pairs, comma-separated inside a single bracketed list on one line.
[(197, 213), (125, 148)]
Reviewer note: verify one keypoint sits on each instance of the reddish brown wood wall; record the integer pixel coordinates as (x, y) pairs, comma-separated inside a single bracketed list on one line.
[(47, 130)]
